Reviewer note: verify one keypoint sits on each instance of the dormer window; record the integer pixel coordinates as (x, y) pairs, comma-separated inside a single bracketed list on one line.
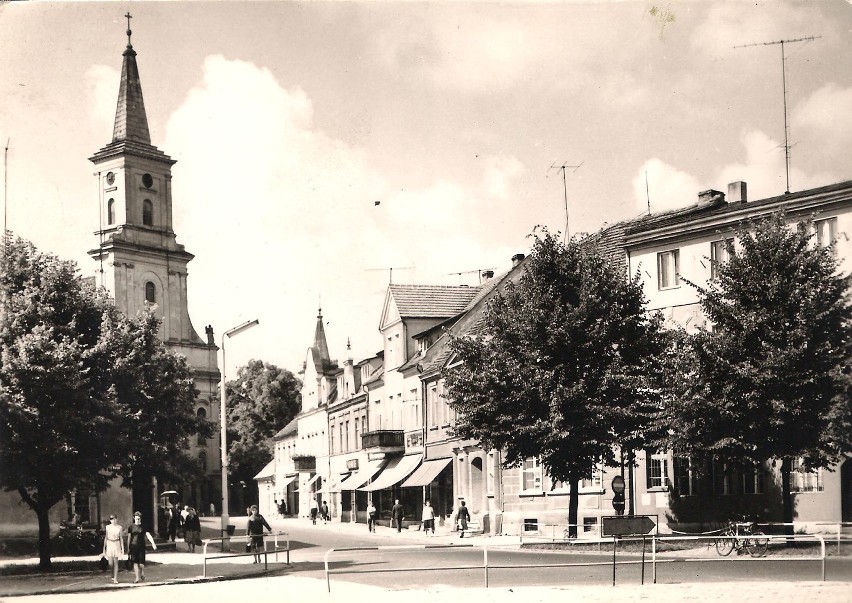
[(147, 213), (111, 211), (150, 293)]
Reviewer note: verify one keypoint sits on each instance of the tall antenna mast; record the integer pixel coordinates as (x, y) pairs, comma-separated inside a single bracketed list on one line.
[(5, 188), (784, 83), (647, 193), (563, 167)]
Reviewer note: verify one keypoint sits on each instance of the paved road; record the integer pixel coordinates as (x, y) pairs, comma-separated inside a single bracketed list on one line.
[(425, 567)]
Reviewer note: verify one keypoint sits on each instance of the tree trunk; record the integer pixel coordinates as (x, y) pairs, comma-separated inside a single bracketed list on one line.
[(786, 496), (573, 503), (43, 538), (41, 510)]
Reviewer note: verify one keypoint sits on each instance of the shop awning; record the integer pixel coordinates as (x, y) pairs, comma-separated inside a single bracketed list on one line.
[(363, 475), (282, 487), (396, 471), (267, 472), (426, 473), (313, 479), (332, 484)]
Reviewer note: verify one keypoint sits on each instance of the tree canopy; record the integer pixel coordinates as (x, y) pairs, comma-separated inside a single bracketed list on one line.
[(261, 401), (769, 379), (86, 393), (558, 369)]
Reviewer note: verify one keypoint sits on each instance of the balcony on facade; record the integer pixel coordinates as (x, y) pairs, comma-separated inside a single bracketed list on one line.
[(383, 440), (305, 463)]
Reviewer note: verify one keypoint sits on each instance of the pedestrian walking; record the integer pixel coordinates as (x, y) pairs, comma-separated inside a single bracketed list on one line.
[(463, 517), (371, 517), (326, 516), (113, 545), (192, 530), (136, 536), (212, 510), (254, 530), (314, 511), (397, 514), (428, 517), (174, 522)]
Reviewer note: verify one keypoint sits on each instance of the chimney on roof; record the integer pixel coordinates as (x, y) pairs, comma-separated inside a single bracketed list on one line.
[(737, 192), (710, 196), (517, 259), (487, 275)]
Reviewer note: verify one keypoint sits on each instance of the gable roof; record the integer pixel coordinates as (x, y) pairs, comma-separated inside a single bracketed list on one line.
[(291, 428), (431, 301)]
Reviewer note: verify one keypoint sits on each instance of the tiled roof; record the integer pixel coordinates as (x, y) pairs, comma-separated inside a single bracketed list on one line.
[(291, 428), (431, 301)]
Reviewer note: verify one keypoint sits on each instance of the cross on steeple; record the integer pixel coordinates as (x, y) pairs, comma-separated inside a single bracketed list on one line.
[(129, 32)]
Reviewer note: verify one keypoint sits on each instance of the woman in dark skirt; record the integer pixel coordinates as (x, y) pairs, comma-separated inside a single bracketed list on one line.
[(254, 531), (136, 536)]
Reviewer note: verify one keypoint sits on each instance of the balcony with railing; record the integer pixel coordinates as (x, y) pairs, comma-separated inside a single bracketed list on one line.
[(383, 440), (305, 463)]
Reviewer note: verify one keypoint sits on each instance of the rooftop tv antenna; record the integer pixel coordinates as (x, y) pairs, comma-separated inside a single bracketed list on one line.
[(784, 83), (390, 270), (562, 167)]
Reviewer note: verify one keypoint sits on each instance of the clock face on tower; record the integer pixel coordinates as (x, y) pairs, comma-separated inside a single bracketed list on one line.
[(110, 178)]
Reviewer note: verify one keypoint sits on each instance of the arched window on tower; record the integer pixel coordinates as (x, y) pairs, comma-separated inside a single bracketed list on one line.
[(202, 460), (147, 213), (111, 211), (150, 293), (202, 414)]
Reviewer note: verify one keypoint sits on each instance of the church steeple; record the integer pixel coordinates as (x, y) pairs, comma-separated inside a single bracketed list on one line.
[(320, 344), (131, 122)]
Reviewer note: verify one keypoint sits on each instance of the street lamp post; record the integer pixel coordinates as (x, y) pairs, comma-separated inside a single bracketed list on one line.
[(223, 426)]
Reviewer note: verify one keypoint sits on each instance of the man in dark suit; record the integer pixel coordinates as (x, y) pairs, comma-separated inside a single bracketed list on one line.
[(397, 515)]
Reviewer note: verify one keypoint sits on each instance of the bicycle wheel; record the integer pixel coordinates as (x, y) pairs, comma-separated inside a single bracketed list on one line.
[(725, 545), (756, 544)]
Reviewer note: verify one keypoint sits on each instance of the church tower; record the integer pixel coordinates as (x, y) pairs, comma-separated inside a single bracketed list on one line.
[(143, 265)]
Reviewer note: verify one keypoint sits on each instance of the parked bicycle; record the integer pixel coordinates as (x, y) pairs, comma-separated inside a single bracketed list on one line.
[(744, 537)]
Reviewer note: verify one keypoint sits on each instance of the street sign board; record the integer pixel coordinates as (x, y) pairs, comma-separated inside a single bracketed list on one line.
[(618, 484), (627, 526)]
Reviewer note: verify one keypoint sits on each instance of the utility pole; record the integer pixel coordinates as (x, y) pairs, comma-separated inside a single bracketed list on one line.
[(784, 84), (562, 167)]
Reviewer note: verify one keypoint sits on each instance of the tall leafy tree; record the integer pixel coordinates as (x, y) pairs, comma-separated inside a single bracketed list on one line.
[(558, 369), (770, 380), (86, 394), (261, 401)]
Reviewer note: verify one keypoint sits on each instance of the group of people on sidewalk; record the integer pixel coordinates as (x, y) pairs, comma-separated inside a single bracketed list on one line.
[(427, 517)]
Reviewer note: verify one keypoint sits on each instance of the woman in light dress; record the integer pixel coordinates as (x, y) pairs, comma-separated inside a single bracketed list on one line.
[(113, 545)]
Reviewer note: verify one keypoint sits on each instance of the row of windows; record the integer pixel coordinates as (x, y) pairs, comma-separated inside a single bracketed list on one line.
[(341, 440), (719, 479), (147, 212), (533, 474), (668, 262)]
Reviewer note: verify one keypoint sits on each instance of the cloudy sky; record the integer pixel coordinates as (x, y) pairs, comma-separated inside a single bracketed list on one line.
[(289, 121)]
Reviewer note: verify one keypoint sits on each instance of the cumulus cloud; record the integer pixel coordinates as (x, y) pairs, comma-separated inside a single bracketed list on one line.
[(260, 187), (762, 169), (826, 116), (668, 187)]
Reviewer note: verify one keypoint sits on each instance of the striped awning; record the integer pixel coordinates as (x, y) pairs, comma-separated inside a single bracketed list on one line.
[(426, 473), (363, 475), (396, 471)]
